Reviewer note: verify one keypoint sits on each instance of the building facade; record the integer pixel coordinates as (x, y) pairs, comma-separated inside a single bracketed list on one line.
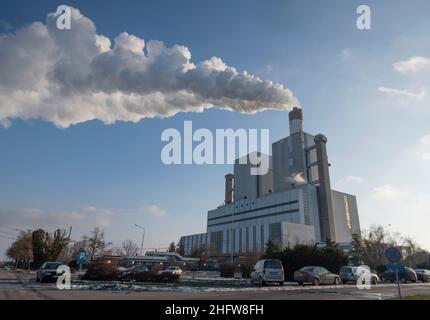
[(293, 203)]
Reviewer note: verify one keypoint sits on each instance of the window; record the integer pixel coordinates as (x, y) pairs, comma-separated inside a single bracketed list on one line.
[(262, 244), (216, 241), (240, 240), (233, 237), (228, 248), (254, 238), (275, 234), (247, 240), (272, 264)]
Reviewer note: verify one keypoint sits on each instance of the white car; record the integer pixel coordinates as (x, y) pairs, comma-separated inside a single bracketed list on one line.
[(171, 270), (268, 270)]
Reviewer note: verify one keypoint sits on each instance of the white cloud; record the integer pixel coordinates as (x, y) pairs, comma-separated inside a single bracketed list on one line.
[(403, 93), (385, 192), (346, 53), (413, 64), (32, 218), (424, 148), (68, 77), (407, 210), (354, 179), (155, 211)]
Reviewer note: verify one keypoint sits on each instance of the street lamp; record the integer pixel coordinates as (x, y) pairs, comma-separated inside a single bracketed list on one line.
[(143, 238)]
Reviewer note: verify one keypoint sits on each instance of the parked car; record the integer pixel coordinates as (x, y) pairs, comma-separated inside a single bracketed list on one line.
[(171, 270), (353, 273), (131, 273), (423, 275), (406, 274), (48, 272), (268, 270), (316, 275)]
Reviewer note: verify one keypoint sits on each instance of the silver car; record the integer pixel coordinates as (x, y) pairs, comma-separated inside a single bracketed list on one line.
[(316, 275), (353, 273), (268, 270)]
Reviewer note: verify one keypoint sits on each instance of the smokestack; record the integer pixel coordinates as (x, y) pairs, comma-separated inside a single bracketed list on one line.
[(324, 190), (228, 188), (296, 120)]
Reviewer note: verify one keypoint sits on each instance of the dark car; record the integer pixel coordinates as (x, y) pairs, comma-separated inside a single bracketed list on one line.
[(405, 274), (423, 275), (316, 276), (48, 272), (134, 273)]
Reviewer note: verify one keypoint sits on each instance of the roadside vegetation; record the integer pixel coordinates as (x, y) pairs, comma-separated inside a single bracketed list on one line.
[(32, 248)]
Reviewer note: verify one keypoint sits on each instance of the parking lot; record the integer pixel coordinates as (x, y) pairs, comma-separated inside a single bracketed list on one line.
[(23, 286)]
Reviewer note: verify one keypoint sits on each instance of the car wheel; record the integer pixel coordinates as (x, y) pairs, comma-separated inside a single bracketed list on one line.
[(316, 282), (336, 281), (374, 281), (281, 283), (262, 282), (300, 283)]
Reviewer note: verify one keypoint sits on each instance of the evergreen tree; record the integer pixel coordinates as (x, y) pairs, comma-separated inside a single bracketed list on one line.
[(180, 249), (172, 247), (272, 250), (357, 249)]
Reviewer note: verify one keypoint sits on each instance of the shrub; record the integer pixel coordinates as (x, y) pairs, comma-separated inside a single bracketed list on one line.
[(101, 271), (227, 270), (147, 276), (166, 277), (246, 270)]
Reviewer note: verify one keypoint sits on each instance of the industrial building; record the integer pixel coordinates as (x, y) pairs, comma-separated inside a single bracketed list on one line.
[(293, 203)]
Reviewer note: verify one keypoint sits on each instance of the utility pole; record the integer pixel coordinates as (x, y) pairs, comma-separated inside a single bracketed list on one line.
[(143, 237)]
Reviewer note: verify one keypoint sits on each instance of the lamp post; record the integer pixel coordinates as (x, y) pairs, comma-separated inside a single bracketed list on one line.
[(143, 237)]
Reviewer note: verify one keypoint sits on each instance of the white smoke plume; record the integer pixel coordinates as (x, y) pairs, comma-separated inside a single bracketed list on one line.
[(296, 179), (71, 76)]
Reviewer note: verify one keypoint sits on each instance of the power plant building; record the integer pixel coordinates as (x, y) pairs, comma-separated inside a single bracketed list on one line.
[(292, 203)]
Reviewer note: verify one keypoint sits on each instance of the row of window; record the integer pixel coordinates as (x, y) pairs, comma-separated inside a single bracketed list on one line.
[(251, 243)]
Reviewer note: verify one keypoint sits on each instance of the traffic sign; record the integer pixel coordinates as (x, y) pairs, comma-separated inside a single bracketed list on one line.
[(81, 258), (395, 267), (393, 254)]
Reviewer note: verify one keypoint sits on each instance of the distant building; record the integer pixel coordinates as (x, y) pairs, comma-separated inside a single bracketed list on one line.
[(293, 203)]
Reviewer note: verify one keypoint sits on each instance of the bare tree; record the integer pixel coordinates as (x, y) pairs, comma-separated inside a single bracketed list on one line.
[(96, 244), (128, 248)]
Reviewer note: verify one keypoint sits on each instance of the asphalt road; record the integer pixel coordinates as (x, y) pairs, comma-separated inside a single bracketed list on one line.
[(22, 286)]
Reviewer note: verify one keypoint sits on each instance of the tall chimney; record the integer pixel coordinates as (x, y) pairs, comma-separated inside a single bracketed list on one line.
[(228, 188), (324, 190), (296, 120)]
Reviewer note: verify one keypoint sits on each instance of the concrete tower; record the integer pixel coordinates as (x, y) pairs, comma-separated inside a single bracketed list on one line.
[(228, 188), (327, 223), (296, 120)]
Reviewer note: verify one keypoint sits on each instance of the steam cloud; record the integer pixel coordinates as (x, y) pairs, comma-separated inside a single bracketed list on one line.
[(296, 179), (71, 76)]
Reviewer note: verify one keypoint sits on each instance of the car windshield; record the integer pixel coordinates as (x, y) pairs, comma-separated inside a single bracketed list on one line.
[(272, 264), (346, 269), (310, 269), (52, 265), (139, 268)]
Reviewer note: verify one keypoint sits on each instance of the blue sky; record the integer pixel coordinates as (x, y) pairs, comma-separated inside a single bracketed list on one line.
[(375, 115)]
